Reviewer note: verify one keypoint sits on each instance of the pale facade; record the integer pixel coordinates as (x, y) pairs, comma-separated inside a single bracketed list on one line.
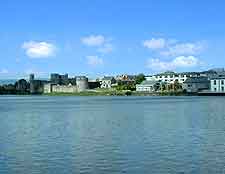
[(217, 84), (107, 82), (172, 77), (146, 86)]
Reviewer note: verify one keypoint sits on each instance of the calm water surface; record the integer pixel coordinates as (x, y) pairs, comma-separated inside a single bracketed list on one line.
[(134, 135)]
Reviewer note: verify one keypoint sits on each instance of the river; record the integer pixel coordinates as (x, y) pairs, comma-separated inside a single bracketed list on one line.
[(98, 135)]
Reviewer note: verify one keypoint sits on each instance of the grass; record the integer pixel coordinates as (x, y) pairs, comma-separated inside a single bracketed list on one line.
[(105, 92), (90, 93)]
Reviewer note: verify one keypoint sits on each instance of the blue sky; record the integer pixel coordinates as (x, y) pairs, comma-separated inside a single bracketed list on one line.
[(110, 36)]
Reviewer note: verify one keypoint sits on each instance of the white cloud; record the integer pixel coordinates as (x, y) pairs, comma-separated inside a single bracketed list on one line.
[(93, 40), (39, 49), (171, 47), (158, 65), (155, 43), (183, 49), (182, 61), (107, 48), (178, 62), (103, 45), (94, 60), (4, 71)]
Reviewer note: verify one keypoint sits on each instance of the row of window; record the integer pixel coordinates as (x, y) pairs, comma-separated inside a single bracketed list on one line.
[(222, 89), (145, 89), (172, 76), (159, 77), (171, 80), (222, 82)]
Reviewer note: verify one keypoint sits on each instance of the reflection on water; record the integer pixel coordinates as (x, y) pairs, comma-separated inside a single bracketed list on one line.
[(46, 135)]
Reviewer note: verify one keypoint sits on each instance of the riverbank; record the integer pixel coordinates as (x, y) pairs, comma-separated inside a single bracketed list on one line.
[(119, 93)]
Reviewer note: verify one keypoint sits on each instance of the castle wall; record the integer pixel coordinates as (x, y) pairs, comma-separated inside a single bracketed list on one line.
[(48, 88), (64, 89), (81, 85)]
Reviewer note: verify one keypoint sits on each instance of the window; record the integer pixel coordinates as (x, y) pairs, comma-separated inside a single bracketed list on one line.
[(222, 88), (214, 89), (222, 82), (214, 82)]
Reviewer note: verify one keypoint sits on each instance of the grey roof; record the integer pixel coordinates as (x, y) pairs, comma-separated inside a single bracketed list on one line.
[(217, 77), (197, 80), (149, 82), (108, 78), (174, 73)]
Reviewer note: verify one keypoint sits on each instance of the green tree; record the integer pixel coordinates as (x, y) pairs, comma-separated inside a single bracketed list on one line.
[(139, 78)]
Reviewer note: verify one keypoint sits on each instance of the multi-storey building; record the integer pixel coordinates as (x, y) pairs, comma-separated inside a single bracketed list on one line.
[(171, 77), (196, 84), (217, 84)]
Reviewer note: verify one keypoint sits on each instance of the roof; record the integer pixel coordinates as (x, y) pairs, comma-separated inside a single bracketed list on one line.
[(197, 80), (217, 77), (174, 73), (126, 77), (149, 82), (108, 78)]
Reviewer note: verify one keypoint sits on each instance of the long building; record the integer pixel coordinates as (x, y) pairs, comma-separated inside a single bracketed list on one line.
[(147, 86), (196, 84), (171, 77)]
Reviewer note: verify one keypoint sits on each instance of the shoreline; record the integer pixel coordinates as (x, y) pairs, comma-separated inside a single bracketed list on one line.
[(119, 93)]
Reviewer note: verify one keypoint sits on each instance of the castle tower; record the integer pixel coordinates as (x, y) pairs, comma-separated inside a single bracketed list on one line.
[(31, 77), (82, 83)]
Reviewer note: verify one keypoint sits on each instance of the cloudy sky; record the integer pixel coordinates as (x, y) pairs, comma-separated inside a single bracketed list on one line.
[(96, 37)]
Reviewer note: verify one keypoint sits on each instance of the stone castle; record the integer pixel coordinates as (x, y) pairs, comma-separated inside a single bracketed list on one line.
[(61, 84)]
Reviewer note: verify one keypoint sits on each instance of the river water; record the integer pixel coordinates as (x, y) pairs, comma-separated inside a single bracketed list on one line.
[(134, 135)]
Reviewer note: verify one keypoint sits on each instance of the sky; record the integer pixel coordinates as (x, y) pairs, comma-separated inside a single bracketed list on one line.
[(109, 37)]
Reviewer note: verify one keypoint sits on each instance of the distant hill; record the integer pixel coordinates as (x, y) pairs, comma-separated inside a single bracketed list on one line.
[(7, 81)]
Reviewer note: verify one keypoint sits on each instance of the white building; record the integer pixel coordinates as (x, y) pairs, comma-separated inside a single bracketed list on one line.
[(147, 86), (217, 84), (171, 77), (107, 82)]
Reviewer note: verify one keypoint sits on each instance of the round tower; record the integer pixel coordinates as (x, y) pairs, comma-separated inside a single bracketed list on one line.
[(82, 83)]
